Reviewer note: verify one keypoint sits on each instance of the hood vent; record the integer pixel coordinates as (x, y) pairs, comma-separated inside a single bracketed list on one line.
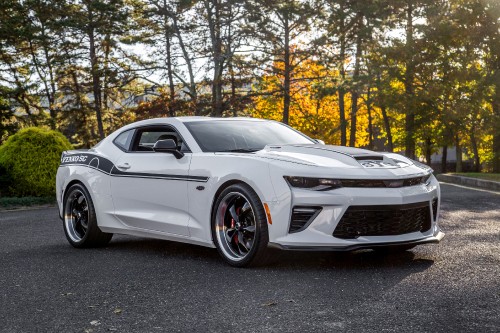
[(368, 157)]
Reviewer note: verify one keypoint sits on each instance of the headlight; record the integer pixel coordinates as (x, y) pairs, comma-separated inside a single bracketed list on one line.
[(326, 184), (427, 179), (315, 184)]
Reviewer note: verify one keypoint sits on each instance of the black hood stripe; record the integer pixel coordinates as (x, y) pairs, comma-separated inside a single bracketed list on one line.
[(106, 166)]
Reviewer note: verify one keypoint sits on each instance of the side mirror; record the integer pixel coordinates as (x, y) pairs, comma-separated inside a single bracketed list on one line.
[(321, 142), (167, 146)]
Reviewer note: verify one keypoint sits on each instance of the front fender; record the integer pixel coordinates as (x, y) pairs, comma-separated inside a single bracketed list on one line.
[(221, 169)]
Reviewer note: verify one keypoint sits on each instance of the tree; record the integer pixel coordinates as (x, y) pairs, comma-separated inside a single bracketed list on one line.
[(99, 25), (8, 121), (279, 28), (314, 108), (489, 19)]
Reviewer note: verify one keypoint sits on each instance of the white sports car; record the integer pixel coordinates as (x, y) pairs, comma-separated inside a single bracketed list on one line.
[(244, 185)]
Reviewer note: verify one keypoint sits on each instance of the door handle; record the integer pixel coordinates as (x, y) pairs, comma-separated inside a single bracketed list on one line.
[(123, 166)]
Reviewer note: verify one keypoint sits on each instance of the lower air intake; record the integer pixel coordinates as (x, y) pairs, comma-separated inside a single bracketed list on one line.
[(302, 217), (383, 220)]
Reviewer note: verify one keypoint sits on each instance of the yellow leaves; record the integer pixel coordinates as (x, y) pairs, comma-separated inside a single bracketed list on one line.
[(314, 106)]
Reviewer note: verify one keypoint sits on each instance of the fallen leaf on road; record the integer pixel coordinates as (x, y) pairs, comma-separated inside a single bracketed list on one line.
[(118, 311), (95, 323), (272, 303)]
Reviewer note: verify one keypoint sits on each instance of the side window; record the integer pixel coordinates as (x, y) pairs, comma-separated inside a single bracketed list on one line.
[(123, 140), (147, 137)]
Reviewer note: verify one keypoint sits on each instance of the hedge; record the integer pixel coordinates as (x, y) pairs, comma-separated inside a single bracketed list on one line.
[(30, 159)]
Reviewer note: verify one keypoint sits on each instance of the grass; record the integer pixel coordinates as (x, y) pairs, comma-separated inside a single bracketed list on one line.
[(15, 202), (480, 175)]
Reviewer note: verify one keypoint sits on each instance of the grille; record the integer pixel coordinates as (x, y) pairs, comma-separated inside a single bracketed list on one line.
[(434, 208), (383, 220), (302, 217), (393, 183)]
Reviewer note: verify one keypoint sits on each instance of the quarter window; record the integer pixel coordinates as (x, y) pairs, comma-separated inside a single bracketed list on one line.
[(123, 140)]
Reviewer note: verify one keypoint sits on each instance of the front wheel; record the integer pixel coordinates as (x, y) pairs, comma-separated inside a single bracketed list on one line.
[(239, 227), (80, 222)]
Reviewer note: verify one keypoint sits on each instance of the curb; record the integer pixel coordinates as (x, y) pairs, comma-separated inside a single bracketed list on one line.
[(468, 181), (23, 208)]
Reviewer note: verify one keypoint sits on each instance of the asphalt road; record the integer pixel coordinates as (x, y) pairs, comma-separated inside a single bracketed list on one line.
[(143, 285)]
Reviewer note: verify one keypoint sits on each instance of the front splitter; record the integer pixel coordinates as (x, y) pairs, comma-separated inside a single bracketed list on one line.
[(436, 238)]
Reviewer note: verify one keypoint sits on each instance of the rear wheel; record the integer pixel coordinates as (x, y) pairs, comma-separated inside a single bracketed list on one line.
[(80, 222), (239, 227)]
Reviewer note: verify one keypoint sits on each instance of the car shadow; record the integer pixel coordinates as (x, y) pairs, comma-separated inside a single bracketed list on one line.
[(357, 260), (282, 260)]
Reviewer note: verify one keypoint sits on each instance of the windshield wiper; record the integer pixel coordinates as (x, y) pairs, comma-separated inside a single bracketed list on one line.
[(239, 150)]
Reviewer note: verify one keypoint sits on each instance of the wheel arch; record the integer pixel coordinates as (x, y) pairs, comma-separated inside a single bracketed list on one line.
[(75, 178), (221, 188)]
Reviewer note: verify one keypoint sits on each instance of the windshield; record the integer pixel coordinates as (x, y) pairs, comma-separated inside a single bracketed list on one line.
[(242, 136)]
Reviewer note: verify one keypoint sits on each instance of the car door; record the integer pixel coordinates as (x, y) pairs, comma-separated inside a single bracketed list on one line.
[(149, 188)]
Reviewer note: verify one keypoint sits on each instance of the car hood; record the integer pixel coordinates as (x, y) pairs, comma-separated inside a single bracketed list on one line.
[(351, 160)]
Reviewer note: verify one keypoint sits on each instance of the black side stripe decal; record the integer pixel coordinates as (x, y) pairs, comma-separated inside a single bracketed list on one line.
[(106, 166)]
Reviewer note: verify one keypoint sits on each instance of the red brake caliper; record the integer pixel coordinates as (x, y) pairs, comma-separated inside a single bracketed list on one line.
[(232, 227)]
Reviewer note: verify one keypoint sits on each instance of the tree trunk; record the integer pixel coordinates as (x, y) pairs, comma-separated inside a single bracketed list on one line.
[(287, 74), (52, 80), (213, 16), (233, 89), (96, 85), (428, 151), (475, 151), (355, 79), (444, 159), (385, 117), (343, 124), (230, 68), (408, 82), (370, 120), (458, 148), (387, 126), (496, 122), (191, 85), (168, 51), (50, 94), (105, 79)]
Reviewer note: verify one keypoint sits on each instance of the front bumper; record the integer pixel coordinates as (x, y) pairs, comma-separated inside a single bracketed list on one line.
[(319, 234), (436, 238)]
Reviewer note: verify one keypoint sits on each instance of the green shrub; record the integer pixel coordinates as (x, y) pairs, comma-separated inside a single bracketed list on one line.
[(31, 158)]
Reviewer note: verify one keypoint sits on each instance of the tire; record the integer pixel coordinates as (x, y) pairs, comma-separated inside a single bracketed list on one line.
[(239, 227), (79, 219)]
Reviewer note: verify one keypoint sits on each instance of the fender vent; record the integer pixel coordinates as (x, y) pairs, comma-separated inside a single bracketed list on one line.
[(302, 216)]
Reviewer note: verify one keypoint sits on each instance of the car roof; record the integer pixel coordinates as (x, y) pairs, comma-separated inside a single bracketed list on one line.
[(178, 120), (198, 118)]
